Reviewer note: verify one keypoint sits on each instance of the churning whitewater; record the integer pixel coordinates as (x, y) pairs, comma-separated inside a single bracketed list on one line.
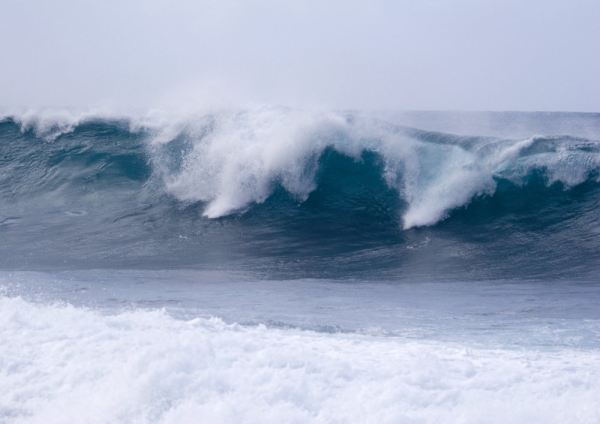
[(143, 366)]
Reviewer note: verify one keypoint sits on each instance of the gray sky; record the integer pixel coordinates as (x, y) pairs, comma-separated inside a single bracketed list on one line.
[(377, 54)]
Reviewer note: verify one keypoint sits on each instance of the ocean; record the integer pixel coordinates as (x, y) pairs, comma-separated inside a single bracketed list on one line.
[(267, 264)]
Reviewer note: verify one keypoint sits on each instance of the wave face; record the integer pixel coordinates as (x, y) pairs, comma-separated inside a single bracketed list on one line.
[(286, 191)]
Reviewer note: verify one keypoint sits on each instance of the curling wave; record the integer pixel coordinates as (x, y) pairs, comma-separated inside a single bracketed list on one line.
[(276, 182)]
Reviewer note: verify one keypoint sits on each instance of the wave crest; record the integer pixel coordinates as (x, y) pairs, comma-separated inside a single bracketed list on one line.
[(233, 159)]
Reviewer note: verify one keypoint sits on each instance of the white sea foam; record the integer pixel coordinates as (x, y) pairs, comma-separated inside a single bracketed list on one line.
[(61, 364)]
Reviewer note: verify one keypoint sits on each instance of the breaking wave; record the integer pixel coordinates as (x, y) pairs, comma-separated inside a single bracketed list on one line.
[(279, 182)]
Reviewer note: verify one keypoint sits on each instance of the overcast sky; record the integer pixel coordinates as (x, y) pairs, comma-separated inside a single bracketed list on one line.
[(377, 54)]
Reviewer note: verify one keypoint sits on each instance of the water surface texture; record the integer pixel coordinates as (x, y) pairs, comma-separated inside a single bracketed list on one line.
[(274, 265)]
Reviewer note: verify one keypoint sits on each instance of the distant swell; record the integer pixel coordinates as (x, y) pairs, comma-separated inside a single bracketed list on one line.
[(106, 191)]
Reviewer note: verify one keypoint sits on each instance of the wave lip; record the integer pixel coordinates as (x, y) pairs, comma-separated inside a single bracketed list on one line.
[(232, 159), (235, 159)]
